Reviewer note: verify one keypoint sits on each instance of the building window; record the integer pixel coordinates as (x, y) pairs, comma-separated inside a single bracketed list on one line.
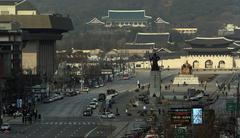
[(208, 64)]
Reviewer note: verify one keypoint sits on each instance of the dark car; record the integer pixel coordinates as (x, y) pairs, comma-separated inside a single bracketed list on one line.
[(101, 97), (141, 97), (87, 113), (72, 93), (48, 100), (112, 92)]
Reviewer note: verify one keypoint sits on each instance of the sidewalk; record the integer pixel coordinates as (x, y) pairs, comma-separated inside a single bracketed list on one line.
[(11, 120)]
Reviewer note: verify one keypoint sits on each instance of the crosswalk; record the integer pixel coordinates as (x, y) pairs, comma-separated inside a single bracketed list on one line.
[(69, 123)]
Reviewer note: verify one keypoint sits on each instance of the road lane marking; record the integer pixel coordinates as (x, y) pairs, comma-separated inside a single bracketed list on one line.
[(90, 132)]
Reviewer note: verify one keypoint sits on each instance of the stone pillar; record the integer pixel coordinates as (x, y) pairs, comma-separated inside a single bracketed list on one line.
[(155, 83)]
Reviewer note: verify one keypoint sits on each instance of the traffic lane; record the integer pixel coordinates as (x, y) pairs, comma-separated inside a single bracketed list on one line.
[(74, 106), (101, 131), (69, 106)]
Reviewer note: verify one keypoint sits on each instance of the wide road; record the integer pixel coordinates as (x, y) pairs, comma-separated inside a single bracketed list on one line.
[(64, 118)]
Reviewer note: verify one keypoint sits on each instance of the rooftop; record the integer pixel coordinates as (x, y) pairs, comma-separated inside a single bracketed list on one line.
[(160, 21), (152, 38), (126, 15), (95, 21), (40, 21), (209, 41)]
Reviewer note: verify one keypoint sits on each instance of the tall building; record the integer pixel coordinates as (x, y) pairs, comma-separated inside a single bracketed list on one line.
[(127, 18), (10, 60), (40, 32)]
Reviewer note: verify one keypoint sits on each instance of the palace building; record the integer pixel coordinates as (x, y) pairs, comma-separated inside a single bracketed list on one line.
[(126, 18), (204, 53), (211, 53)]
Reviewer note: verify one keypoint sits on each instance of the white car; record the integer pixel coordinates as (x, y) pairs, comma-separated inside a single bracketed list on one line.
[(108, 115), (95, 101), (85, 89), (93, 105), (5, 126)]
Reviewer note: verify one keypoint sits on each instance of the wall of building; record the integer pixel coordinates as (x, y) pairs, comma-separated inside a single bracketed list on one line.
[(29, 62), (32, 12), (7, 10), (178, 62), (29, 56)]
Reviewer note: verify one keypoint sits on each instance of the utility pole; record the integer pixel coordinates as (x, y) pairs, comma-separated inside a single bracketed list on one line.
[(1, 94), (237, 113), (160, 83)]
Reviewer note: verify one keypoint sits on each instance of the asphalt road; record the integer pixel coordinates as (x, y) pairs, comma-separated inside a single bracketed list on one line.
[(64, 118)]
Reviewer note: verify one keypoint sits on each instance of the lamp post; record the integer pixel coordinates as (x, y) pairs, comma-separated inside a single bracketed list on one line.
[(1, 94)]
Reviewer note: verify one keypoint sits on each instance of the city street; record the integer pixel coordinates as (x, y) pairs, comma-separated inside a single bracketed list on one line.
[(63, 118)]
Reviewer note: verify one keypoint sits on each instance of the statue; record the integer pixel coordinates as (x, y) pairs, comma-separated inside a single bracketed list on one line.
[(154, 62), (186, 69)]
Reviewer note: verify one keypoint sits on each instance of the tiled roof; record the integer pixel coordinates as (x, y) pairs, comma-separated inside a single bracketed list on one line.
[(95, 21), (126, 15), (158, 38), (160, 21), (209, 41), (139, 46), (7, 2), (25, 5)]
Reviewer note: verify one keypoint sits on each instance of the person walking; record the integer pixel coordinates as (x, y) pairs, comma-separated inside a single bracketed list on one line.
[(138, 83)]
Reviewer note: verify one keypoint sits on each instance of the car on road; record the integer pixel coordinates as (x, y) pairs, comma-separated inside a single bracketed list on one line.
[(101, 97), (108, 115), (48, 100), (72, 93), (59, 97), (112, 92), (87, 113), (5, 126), (95, 101), (101, 84), (84, 89), (93, 105), (88, 108)]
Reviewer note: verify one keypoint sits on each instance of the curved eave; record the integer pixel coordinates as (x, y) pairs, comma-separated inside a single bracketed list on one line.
[(209, 41)]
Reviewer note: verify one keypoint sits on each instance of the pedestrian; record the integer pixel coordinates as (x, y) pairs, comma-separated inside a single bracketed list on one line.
[(117, 111), (159, 111), (138, 83)]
